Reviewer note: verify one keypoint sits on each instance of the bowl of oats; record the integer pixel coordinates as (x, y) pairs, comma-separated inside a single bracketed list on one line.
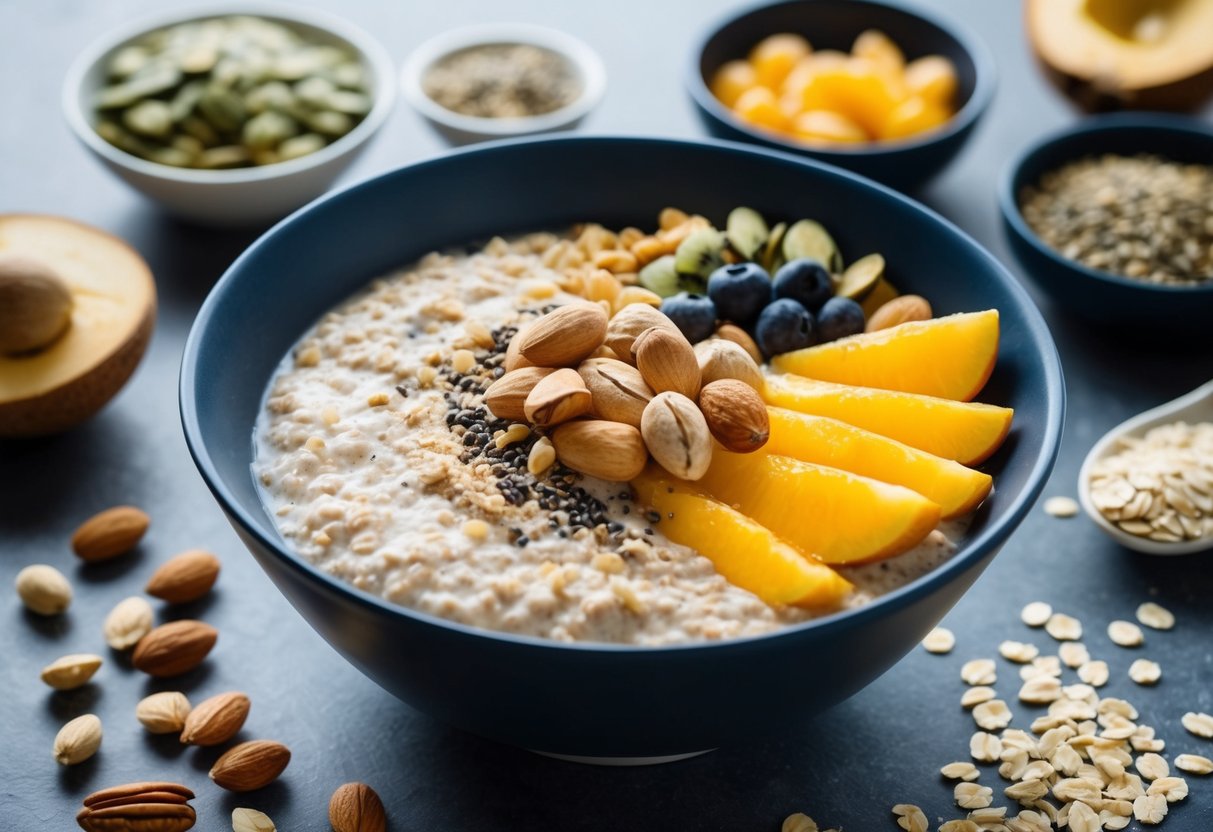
[(1112, 218), (517, 486), (491, 81)]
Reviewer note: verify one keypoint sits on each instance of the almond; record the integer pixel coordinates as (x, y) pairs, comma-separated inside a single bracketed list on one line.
[(138, 807), (627, 325), (250, 765), (619, 390), (174, 648), (355, 807), (719, 359), (899, 310), (113, 532), (128, 622), (557, 398), (513, 358), (71, 672), (564, 336), (216, 720), (78, 740), (184, 578), (506, 397), (43, 589), (734, 333), (609, 451), (736, 415), (677, 435), (667, 361), (164, 712)]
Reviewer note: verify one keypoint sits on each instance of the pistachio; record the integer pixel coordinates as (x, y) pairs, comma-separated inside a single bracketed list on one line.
[(557, 398), (735, 414), (619, 390), (899, 310), (721, 359), (43, 589), (627, 325), (667, 361), (71, 672), (164, 712), (564, 336), (506, 397), (677, 435), (609, 451), (78, 740), (128, 622)]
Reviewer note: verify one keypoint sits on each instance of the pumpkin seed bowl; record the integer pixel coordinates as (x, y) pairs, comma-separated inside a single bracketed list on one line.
[(230, 114)]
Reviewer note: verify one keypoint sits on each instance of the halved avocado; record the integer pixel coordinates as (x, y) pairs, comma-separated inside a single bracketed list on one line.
[(57, 376), (1113, 54)]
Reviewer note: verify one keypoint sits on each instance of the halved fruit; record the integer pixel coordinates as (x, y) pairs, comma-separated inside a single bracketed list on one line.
[(967, 432), (746, 553), (842, 518), (950, 357), (824, 441)]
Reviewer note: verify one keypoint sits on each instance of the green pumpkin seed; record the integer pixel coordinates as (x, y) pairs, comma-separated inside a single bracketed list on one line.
[(747, 232), (187, 144), (223, 109), (808, 238), (186, 99), (267, 130), (121, 139), (139, 86), (227, 156), (152, 118), (861, 277), (351, 103), (314, 91), (772, 255), (272, 95), (350, 76), (330, 123), (201, 130), (171, 156), (127, 61), (301, 146)]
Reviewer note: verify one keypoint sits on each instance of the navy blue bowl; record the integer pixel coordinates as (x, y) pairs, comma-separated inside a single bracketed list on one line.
[(834, 24), (592, 699), (1101, 296)]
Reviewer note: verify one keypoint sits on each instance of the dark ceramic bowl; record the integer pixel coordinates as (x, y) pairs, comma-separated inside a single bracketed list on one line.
[(834, 24), (594, 700), (1101, 296)]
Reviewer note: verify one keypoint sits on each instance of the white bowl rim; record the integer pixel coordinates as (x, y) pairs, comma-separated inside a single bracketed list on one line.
[(571, 48), (1136, 425), (367, 47)]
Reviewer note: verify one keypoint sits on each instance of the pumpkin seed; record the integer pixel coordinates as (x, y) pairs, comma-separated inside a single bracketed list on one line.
[(808, 238)]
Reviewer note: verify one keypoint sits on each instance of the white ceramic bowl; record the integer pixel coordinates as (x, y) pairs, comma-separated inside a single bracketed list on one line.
[(1196, 406), (462, 129), (240, 196)]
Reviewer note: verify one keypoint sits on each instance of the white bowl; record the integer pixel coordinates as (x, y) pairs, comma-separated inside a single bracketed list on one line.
[(1196, 406), (463, 129), (244, 195)]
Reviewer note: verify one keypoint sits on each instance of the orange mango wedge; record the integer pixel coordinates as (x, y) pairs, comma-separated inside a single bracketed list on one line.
[(949, 357), (747, 554), (967, 432), (840, 517), (824, 441)]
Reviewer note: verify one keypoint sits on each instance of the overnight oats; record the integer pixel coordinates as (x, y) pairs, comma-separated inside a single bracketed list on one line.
[(695, 434)]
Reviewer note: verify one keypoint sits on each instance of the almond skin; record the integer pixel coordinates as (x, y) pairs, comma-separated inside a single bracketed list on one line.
[(619, 390), (899, 310), (564, 336), (78, 740), (557, 398), (250, 765), (43, 589), (174, 648), (667, 361), (216, 720), (184, 578), (164, 712), (734, 333), (628, 324), (111, 533), (506, 397), (610, 451), (355, 807), (676, 434), (736, 415), (71, 672)]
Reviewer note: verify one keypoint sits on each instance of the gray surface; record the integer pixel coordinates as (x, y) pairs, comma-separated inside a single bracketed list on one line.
[(846, 768)]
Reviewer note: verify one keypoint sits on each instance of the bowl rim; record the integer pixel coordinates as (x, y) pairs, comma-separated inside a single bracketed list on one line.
[(970, 553), (569, 47), (984, 71), (369, 49), (1012, 173)]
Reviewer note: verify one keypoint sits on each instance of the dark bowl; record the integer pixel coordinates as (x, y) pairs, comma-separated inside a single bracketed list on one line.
[(593, 699), (1101, 296), (834, 24)]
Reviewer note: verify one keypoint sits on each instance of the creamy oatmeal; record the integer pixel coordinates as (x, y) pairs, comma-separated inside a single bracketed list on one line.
[(381, 465)]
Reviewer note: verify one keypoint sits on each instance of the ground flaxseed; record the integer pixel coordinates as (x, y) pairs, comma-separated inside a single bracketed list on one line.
[(502, 80)]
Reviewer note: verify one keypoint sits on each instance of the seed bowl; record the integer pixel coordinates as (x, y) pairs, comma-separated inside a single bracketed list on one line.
[(1101, 296), (834, 24), (238, 196), (611, 703)]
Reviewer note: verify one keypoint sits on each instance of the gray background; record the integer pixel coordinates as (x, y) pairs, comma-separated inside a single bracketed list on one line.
[(845, 768)]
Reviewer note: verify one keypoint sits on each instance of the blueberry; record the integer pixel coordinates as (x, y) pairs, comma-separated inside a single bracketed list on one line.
[(740, 292), (784, 326), (694, 315), (838, 318), (806, 281)]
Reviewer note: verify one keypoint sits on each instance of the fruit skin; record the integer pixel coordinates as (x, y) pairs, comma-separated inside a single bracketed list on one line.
[(805, 281), (950, 357), (743, 551), (731, 80), (827, 126), (785, 326), (694, 315), (825, 441), (838, 318), (968, 432), (740, 291), (774, 56), (760, 107)]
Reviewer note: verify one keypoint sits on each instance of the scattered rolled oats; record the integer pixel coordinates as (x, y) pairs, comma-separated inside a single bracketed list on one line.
[(1030, 821), (973, 795), (1174, 789), (1111, 822), (1194, 764), (1027, 791), (1120, 707), (960, 771), (1155, 616), (979, 672), (939, 640), (985, 748), (1073, 654), (1200, 724), (1145, 672), (1150, 808), (976, 695), (1125, 633), (1036, 614), (1151, 766), (1063, 627), (1083, 818), (962, 825), (993, 715), (911, 818), (1061, 507), (1094, 673), (1040, 690), (1018, 651), (987, 815), (1072, 789)]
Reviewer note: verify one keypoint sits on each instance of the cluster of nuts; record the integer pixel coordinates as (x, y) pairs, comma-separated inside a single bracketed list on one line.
[(614, 390)]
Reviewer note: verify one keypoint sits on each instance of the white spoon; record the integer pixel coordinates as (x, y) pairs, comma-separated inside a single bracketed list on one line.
[(1196, 406)]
